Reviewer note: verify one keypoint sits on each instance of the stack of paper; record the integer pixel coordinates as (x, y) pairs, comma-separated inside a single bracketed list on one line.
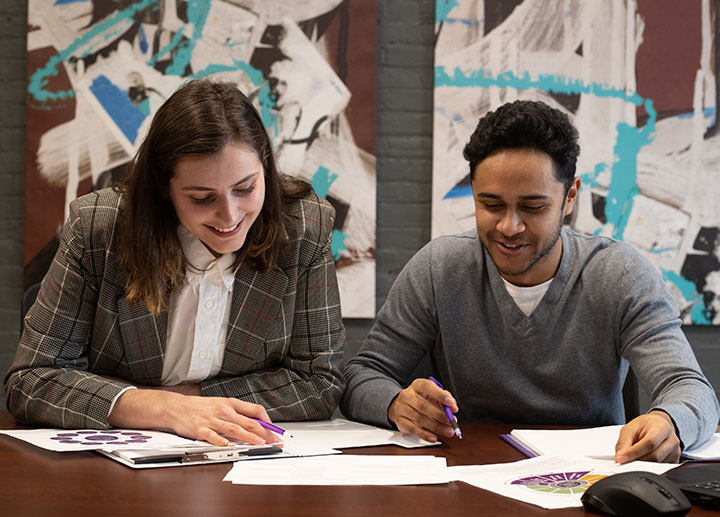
[(346, 469)]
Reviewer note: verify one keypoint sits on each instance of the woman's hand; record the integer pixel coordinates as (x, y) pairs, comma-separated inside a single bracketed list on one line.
[(211, 419)]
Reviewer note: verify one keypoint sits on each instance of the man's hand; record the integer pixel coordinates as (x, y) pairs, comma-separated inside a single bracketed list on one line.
[(417, 410), (200, 418), (648, 437)]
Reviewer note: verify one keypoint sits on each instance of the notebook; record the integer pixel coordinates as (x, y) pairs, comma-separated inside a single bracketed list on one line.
[(699, 482), (594, 442)]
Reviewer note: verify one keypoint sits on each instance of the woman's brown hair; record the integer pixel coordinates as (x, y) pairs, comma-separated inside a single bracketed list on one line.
[(200, 118)]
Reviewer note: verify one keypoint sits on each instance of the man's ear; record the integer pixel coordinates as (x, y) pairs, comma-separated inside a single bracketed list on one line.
[(571, 196)]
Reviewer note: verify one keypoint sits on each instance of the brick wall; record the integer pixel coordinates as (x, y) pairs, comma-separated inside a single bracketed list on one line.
[(13, 25), (404, 152)]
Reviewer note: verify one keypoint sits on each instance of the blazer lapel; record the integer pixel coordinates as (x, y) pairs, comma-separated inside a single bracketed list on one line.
[(256, 301), (143, 336)]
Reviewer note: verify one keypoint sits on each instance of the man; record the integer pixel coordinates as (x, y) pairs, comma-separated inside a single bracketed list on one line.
[(525, 321)]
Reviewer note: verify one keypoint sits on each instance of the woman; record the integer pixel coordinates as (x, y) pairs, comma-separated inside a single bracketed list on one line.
[(199, 296)]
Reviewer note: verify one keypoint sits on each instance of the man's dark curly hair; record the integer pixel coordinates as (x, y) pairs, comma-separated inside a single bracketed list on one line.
[(527, 124)]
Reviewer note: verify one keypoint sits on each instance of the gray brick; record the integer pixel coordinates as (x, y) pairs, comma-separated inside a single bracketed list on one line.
[(8, 295), (12, 138), (12, 112), (355, 332), (14, 85), (12, 67), (406, 168), (11, 206), (412, 11), (11, 26), (396, 257), (15, 8), (394, 215), (412, 34), (404, 56), (404, 99), (12, 172), (405, 123), (11, 233), (403, 192), (409, 78), (404, 146), (11, 257), (9, 317), (407, 238)]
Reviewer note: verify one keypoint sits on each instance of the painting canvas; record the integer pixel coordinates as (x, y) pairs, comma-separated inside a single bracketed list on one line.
[(98, 70), (639, 79)]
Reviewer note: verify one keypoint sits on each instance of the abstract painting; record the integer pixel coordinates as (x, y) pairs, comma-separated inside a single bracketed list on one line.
[(639, 78), (98, 70)]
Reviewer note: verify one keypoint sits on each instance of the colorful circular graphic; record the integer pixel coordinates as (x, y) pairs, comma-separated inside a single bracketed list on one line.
[(560, 482), (101, 437)]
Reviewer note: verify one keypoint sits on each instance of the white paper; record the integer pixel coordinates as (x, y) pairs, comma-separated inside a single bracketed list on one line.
[(596, 442), (346, 469), (710, 450), (548, 481), (65, 440), (341, 434)]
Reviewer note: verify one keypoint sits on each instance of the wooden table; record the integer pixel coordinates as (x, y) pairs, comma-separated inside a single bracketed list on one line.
[(34, 481)]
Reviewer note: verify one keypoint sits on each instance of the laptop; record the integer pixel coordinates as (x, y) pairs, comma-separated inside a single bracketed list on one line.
[(700, 482)]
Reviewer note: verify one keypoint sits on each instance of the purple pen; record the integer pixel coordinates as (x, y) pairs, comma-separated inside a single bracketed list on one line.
[(273, 428), (451, 418)]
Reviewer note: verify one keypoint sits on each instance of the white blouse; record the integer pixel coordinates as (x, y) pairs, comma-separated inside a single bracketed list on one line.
[(198, 315)]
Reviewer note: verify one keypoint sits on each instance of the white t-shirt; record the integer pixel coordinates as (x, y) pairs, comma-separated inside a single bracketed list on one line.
[(527, 298)]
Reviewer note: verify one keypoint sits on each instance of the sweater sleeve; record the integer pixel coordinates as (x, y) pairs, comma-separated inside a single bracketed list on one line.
[(652, 340), (405, 330)]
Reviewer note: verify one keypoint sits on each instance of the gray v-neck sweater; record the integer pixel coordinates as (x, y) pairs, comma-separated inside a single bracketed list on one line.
[(563, 364)]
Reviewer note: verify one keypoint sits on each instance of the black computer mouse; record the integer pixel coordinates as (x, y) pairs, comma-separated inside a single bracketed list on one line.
[(636, 494)]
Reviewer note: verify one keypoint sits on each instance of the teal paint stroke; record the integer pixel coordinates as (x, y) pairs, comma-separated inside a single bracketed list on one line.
[(470, 22), (623, 186), (268, 106), (699, 314), (661, 251), (39, 80), (547, 82), (321, 182), (338, 243), (629, 141), (167, 49), (443, 8), (197, 13), (590, 179)]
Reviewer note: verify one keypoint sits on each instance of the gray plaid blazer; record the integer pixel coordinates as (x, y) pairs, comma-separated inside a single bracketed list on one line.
[(284, 339)]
